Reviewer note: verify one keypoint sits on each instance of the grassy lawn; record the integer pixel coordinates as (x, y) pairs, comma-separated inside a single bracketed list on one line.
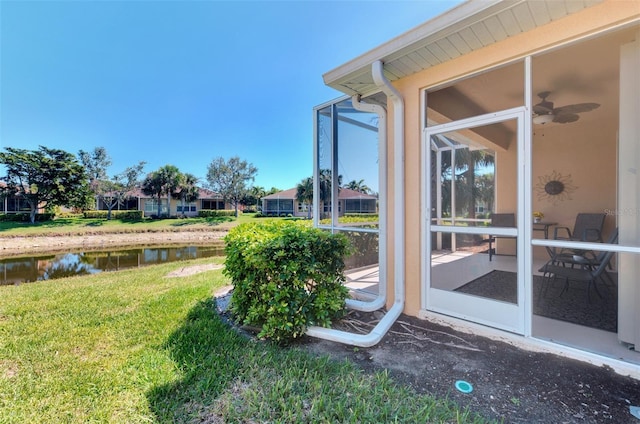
[(82, 226), (138, 346)]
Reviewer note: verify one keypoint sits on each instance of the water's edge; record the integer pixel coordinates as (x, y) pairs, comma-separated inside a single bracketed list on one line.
[(32, 267)]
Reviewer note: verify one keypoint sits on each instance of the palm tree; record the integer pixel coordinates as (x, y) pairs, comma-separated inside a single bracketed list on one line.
[(471, 160), (152, 186), (358, 186), (171, 177), (485, 189), (468, 188), (164, 181), (325, 183), (258, 193), (304, 194), (187, 190)]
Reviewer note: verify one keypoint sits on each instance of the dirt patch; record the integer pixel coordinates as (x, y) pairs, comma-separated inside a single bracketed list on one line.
[(509, 384), (192, 270), (13, 246)]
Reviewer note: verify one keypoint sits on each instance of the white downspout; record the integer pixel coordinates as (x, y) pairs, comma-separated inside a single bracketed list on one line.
[(381, 298), (372, 338)]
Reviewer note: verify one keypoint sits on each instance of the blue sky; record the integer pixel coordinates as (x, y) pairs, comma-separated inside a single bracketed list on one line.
[(184, 82)]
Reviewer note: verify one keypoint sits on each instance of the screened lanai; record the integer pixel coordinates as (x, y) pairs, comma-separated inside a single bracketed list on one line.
[(349, 172)]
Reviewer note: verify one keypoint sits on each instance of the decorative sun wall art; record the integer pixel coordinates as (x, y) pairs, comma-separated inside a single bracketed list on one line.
[(555, 187)]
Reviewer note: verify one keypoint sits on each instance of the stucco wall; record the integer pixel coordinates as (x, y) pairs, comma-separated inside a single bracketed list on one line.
[(586, 156)]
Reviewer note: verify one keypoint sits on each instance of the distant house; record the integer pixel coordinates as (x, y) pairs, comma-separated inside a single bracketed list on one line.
[(284, 203), (137, 200), (352, 201), (13, 203)]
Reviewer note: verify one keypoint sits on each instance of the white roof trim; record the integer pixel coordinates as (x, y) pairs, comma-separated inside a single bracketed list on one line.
[(470, 26)]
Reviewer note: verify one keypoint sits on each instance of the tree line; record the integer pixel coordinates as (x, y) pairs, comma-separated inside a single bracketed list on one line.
[(49, 178)]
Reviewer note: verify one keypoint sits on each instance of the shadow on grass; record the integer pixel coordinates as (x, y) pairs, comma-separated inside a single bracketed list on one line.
[(202, 221), (209, 356), (57, 223), (95, 223), (141, 221), (229, 378)]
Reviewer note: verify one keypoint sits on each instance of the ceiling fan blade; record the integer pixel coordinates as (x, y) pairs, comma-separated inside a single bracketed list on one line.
[(577, 108), (565, 118)]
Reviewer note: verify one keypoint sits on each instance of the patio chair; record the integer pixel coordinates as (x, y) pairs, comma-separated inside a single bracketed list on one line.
[(500, 220), (589, 272), (588, 227), (575, 265), (589, 257)]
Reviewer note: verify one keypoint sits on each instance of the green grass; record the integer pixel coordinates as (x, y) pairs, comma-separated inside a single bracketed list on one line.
[(136, 346), (82, 226)]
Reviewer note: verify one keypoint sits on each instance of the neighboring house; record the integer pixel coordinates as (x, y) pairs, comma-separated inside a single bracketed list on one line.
[(351, 201), (14, 203), (284, 203), (137, 200), (550, 89)]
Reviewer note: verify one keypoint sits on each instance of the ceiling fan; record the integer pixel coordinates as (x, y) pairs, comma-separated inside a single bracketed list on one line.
[(544, 112)]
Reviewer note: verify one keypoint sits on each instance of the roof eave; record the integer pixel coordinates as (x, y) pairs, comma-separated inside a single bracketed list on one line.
[(449, 21), (471, 26)]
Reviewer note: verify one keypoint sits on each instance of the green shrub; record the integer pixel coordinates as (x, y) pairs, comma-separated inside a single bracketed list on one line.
[(287, 276), (216, 213), (365, 216), (14, 217), (25, 217), (123, 215), (69, 215), (353, 218), (41, 217)]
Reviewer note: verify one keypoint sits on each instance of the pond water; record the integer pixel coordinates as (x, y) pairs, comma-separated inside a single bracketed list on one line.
[(17, 270)]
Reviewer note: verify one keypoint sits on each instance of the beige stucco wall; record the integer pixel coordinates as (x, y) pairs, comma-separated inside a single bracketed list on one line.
[(588, 159), (609, 14)]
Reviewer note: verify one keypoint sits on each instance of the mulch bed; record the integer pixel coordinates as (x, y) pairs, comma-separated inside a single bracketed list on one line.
[(509, 383)]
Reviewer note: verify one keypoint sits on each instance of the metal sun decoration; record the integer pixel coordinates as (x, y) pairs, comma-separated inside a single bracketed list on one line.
[(555, 187)]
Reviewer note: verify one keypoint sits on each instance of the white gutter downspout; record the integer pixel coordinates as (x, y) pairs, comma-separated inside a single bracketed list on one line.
[(381, 298), (372, 338)]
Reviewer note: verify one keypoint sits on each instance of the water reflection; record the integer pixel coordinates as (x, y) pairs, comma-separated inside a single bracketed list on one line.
[(52, 266)]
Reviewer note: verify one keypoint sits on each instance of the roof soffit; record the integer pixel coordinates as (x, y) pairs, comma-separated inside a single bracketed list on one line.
[(471, 26)]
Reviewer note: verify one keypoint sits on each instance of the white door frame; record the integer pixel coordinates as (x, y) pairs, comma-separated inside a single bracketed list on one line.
[(496, 314)]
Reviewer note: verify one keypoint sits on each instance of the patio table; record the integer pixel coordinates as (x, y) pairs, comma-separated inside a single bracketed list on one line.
[(544, 227)]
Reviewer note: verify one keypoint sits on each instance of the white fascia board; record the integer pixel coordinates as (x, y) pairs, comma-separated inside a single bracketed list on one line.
[(451, 21)]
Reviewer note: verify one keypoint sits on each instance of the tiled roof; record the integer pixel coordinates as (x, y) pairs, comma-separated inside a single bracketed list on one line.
[(345, 193), (285, 194)]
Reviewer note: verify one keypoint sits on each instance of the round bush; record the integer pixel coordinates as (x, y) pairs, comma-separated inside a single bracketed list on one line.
[(287, 276)]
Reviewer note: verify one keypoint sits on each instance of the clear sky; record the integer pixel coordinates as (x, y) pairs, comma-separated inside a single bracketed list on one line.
[(183, 82)]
